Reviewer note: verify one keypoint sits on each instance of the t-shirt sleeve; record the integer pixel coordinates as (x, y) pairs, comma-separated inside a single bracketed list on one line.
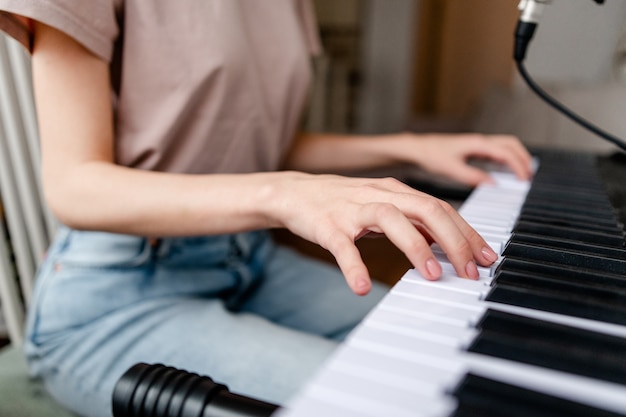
[(92, 23), (310, 26)]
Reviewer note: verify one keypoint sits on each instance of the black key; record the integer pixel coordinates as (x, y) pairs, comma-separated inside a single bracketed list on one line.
[(557, 302), (550, 345), (600, 291), (615, 239), (568, 209), (569, 222), (560, 243), (478, 396), (585, 290), (612, 169), (568, 257), (610, 220), (558, 273), (594, 199)]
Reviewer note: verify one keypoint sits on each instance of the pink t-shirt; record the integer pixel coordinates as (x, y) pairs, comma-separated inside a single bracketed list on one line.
[(199, 86)]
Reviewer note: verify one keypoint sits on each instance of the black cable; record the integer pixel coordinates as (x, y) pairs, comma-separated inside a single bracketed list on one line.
[(565, 111), (523, 34)]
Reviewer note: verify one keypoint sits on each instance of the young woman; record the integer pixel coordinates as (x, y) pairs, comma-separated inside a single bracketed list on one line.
[(169, 144)]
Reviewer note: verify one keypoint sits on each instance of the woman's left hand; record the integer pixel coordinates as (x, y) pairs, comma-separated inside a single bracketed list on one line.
[(448, 155)]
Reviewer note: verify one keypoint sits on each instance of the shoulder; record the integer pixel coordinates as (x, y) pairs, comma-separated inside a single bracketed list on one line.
[(94, 24)]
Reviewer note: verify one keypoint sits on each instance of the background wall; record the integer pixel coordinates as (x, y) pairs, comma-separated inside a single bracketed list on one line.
[(578, 56), (389, 35), (576, 41), (446, 65)]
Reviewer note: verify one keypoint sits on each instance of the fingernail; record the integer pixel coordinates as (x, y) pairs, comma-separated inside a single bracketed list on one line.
[(471, 270), (362, 284), (489, 254), (433, 268)]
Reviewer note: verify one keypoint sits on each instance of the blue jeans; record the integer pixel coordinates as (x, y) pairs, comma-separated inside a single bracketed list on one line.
[(255, 316)]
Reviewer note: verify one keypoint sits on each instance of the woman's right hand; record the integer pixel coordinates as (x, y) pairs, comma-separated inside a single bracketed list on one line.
[(87, 190), (334, 211)]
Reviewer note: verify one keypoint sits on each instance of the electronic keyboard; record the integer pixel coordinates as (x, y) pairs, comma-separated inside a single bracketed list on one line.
[(541, 333)]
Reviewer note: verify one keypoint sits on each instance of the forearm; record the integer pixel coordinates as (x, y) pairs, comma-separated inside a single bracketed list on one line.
[(441, 154), (106, 197), (313, 152)]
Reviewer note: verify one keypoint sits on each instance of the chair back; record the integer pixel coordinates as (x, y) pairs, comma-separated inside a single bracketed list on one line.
[(26, 225)]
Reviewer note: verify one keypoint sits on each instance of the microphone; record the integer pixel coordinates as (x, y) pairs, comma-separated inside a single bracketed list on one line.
[(530, 10)]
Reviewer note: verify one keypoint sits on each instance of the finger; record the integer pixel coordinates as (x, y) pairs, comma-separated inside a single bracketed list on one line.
[(519, 149), (424, 232), (512, 153), (469, 175), (388, 219), (351, 264), (481, 250), (519, 159), (461, 244), (441, 222), (409, 200)]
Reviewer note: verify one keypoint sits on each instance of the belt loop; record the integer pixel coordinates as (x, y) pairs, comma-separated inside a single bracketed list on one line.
[(243, 243), (160, 246)]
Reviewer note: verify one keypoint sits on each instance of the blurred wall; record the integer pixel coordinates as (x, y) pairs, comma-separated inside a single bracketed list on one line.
[(463, 48), (573, 56), (576, 41), (390, 63), (388, 48)]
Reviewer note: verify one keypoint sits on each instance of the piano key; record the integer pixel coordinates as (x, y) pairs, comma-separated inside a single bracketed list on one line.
[(325, 401), (565, 222), (365, 363), (433, 331), (391, 343), (562, 272), (582, 342), (505, 224), (563, 256), (479, 396), (609, 351), (610, 221), (615, 239), (592, 197), (450, 361), (399, 401), (603, 250), (565, 304), (448, 268), (475, 303), (540, 343), (569, 209), (561, 282), (413, 327)]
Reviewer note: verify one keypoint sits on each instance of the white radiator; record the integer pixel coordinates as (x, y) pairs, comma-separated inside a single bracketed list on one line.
[(27, 225)]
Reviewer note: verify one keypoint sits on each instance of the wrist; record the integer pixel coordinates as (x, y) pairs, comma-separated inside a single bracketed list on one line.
[(274, 197), (400, 147)]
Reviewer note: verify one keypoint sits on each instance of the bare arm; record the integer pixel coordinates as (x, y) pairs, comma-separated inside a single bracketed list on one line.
[(87, 190), (442, 154), (83, 186)]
